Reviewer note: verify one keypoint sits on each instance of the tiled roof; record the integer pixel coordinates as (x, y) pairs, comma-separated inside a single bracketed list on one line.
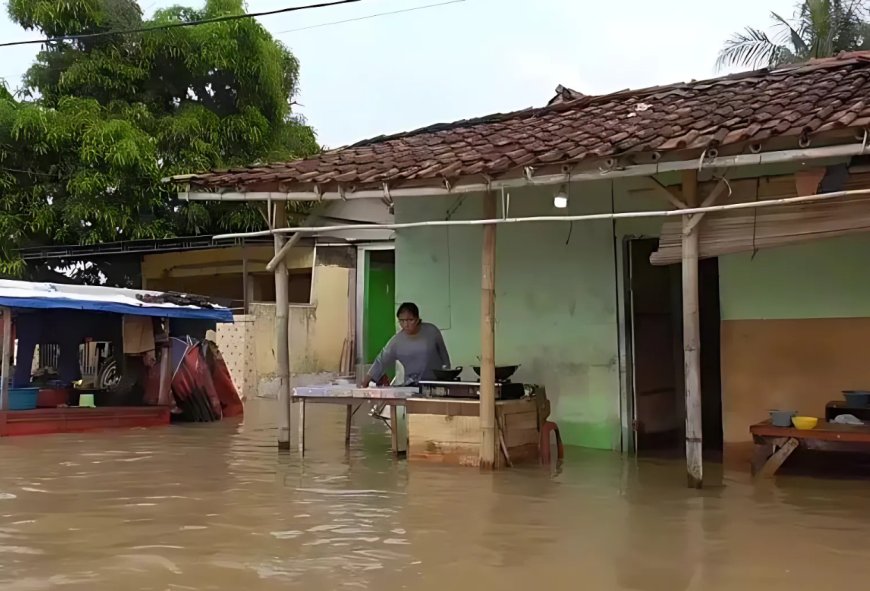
[(801, 100)]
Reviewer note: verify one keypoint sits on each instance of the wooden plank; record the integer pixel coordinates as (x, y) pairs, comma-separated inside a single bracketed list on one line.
[(774, 462), (455, 408), (760, 454), (525, 420), (422, 428), (518, 437), (348, 420), (692, 338), (525, 454), (455, 457), (507, 407)]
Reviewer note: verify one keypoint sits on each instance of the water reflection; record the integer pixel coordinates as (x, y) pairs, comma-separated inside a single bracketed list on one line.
[(217, 507)]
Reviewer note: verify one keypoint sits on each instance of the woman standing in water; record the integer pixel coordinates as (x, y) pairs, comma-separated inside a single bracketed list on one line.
[(418, 346)]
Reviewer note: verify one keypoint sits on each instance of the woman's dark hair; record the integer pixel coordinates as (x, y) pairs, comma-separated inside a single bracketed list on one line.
[(409, 307)]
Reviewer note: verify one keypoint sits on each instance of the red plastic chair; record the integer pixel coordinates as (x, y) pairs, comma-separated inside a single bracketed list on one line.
[(546, 429)]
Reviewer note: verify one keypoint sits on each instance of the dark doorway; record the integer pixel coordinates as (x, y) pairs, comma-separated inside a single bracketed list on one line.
[(656, 331)]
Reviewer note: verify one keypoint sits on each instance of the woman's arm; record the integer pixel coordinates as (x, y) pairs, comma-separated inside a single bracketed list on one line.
[(385, 358), (442, 349)]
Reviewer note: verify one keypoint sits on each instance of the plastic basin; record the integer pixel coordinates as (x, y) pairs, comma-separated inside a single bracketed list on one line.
[(856, 398), (804, 423), (23, 398), (52, 397)]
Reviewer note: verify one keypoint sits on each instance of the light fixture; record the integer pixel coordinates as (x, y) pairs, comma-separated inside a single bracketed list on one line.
[(560, 200)]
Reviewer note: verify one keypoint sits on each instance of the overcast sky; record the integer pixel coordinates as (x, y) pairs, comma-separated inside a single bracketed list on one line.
[(471, 58)]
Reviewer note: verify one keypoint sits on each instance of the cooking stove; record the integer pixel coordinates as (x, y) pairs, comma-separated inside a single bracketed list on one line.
[(505, 390)]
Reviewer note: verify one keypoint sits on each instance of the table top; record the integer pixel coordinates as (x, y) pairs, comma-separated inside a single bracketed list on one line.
[(824, 431), (343, 391)]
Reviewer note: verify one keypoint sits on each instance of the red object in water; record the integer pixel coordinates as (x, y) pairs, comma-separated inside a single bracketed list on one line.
[(76, 420), (52, 397), (225, 388), (547, 428), (192, 375)]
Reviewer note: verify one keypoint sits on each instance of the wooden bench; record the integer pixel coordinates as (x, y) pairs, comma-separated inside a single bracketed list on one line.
[(773, 445)]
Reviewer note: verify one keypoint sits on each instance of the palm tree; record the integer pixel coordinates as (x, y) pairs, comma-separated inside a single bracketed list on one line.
[(820, 28)]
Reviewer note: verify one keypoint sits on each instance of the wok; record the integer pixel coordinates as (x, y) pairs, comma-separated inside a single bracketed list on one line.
[(502, 372), (447, 374)]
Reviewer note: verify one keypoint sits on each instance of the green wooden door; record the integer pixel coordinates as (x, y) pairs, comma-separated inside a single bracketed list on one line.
[(379, 302)]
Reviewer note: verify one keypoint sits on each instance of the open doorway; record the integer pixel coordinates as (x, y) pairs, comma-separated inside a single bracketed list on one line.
[(376, 284), (655, 316)]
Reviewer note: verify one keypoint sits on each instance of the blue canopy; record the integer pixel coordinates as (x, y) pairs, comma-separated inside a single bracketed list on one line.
[(22, 294)]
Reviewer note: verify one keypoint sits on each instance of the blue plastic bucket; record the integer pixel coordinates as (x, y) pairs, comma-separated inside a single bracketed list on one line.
[(23, 398)]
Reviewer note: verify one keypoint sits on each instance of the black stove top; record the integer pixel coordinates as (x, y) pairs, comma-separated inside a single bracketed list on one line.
[(506, 390)]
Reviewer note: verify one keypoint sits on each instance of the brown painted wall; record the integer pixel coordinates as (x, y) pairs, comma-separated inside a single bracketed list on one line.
[(790, 364)]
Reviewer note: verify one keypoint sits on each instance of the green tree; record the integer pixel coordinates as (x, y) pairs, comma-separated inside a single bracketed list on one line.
[(100, 121), (820, 28)]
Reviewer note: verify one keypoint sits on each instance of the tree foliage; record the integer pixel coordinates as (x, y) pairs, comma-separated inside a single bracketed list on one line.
[(820, 28), (100, 121)]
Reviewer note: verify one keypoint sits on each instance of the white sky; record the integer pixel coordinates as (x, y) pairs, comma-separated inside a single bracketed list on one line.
[(476, 57)]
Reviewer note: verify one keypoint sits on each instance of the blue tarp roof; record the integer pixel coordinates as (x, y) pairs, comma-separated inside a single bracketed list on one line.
[(23, 294)]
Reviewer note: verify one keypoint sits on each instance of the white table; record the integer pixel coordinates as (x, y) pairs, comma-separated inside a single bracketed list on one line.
[(352, 397)]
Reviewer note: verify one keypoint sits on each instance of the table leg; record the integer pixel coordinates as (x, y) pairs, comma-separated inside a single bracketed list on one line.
[(394, 429), (760, 455), (347, 422), (774, 462), (301, 422)]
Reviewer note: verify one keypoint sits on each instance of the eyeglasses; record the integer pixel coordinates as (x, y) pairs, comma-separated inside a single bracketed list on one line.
[(408, 320)]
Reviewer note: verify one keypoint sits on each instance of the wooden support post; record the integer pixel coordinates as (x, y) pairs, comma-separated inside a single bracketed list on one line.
[(282, 332), (164, 394), (488, 446), (775, 461), (394, 430), (5, 350), (348, 421), (301, 425), (246, 296), (692, 337)]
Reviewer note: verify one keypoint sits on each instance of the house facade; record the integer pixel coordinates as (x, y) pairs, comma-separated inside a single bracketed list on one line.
[(593, 300)]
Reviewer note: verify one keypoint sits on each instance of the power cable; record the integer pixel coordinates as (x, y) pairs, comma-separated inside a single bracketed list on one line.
[(205, 21), (370, 16)]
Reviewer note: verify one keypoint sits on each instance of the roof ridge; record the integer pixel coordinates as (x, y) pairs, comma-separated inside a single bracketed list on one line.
[(841, 59)]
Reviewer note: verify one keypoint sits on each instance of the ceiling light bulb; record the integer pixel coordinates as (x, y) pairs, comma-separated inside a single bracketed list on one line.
[(560, 201)]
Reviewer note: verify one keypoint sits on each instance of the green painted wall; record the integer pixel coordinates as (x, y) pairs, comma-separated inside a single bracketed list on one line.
[(822, 279), (555, 298)]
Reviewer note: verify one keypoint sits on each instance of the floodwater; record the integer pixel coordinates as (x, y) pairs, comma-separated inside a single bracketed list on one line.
[(217, 507)]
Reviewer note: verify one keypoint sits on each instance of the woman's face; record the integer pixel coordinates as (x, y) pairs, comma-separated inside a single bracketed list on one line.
[(409, 323)]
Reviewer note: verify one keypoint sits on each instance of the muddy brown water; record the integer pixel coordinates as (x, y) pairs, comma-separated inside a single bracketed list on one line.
[(217, 507)]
